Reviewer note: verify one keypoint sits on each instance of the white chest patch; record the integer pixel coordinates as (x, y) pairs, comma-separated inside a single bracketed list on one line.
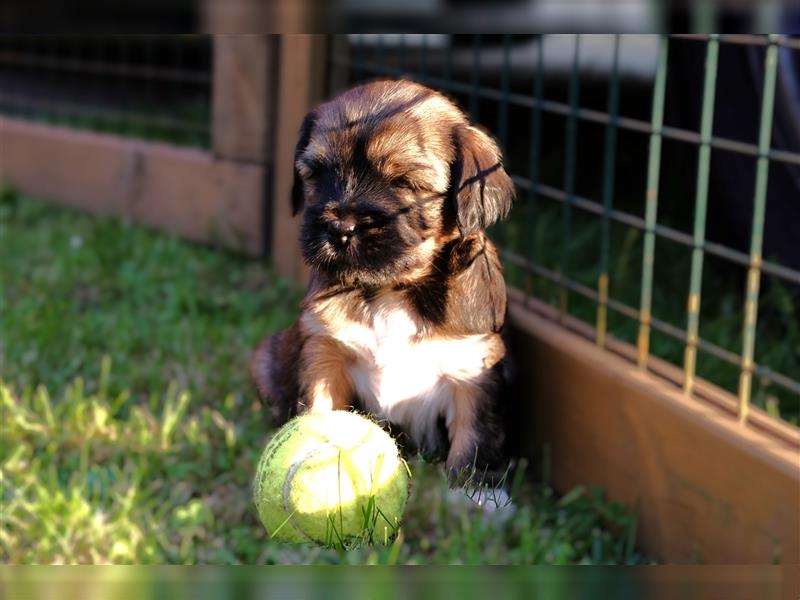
[(407, 379)]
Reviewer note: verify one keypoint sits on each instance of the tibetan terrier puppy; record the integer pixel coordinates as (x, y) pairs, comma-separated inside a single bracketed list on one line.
[(404, 313)]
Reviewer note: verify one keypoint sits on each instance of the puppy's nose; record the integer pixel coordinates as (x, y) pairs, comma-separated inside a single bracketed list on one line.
[(341, 230)]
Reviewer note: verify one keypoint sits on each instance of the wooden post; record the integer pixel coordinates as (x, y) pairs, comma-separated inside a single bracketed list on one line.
[(239, 16), (301, 79), (243, 111), (243, 97)]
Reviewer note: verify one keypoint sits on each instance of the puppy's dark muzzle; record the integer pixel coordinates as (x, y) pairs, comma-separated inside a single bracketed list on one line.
[(341, 230)]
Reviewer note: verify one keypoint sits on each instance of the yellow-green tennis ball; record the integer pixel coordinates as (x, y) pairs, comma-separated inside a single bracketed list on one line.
[(333, 478)]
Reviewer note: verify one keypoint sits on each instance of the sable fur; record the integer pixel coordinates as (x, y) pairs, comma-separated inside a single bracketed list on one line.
[(405, 309)]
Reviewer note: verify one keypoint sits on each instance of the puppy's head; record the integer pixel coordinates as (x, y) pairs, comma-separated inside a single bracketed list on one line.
[(385, 173)]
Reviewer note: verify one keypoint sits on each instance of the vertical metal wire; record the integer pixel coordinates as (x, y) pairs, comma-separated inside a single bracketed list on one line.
[(448, 61), (150, 60), (701, 203), (124, 89), (609, 164), (96, 51), (402, 53), (177, 84), (28, 45), (20, 45), (703, 16), (533, 160), (358, 53), (569, 179), (757, 234), (63, 47), (505, 84), (423, 56), (379, 50), (651, 201), (87, 87), (476, 76), (502, 117)]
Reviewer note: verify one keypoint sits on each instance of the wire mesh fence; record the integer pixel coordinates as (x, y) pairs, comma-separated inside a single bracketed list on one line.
[(152, 87), (657, 176), (657, 179)]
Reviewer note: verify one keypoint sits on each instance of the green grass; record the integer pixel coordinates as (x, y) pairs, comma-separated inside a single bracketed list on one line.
[(130, 431)]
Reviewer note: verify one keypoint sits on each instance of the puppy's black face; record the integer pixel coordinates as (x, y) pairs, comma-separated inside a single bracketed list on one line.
[(361, 225), (385, 174)]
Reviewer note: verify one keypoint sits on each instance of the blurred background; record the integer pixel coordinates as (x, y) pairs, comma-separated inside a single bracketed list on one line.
[(657, 218)]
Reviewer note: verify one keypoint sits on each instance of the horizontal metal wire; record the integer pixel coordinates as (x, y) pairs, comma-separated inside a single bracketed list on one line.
[(743, 39), (20, 102), (96, 67), (112, 37), (585, 114), (668, 329), (768, 267)]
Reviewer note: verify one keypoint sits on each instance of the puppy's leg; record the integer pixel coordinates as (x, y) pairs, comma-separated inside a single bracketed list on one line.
[(274, 369), (476, 437), (324, 381), (475, 464), (461, 431)]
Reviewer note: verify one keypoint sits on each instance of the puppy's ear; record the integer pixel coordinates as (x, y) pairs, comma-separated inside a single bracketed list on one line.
[(480, 188), (302, 142)]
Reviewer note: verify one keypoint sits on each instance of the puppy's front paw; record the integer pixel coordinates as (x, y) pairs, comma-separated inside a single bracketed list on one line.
[(494, 503), (470, 470), (461, 470)]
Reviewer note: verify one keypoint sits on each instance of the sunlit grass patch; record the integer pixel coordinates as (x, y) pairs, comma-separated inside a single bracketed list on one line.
[(130, 431), (87, 479)]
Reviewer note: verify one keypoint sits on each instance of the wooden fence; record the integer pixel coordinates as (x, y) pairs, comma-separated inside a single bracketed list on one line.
[(220, 195)]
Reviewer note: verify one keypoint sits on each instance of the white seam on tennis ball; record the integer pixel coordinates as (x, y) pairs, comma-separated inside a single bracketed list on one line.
[(287, 488), (286, 491), (273, 447)]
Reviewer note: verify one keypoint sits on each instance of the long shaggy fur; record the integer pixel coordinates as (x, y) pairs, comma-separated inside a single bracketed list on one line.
[(404, 314)]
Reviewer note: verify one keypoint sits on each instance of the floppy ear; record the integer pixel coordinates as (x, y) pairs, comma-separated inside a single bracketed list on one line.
[(479, 186), (302, 141)]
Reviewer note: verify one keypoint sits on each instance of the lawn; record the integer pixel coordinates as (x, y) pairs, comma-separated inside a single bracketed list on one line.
[(130, 430)]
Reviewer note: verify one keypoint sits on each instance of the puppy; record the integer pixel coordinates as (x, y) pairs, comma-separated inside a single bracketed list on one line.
[(403, 317)]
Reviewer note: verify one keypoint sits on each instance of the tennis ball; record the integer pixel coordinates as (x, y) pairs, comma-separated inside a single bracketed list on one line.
[(333, 478)]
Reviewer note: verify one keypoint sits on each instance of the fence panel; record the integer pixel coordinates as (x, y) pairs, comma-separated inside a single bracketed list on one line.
[(582, 220), (647, 182), (123, 125), (149, 87)]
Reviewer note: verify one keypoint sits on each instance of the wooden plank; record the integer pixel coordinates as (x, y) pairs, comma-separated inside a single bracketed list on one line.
[(243, 97), (703, 390), (183, 190), (253, 16), (301, 80), (706, 488)]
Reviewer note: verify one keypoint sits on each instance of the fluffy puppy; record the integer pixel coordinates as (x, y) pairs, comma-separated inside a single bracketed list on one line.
[(404, 313)]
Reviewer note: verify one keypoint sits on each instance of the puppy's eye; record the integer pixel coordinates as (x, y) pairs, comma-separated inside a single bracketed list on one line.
[(404, 182), (373, 220), (310, 169)]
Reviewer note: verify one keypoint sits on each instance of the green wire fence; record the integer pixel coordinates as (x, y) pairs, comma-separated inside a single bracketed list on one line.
[(617, 208), (701, 207), (145, 86), (545, 242)]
